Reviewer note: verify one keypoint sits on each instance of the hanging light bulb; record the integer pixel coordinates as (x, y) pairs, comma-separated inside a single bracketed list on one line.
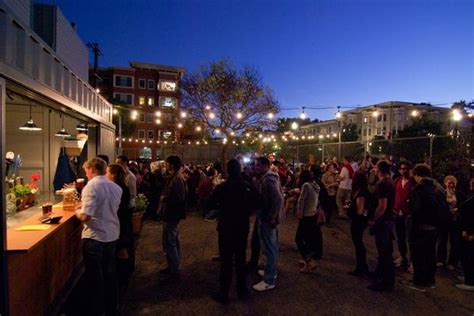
[(212, 116), (414, 113), (62, 132), (30, 125), (180, 125), (239, 115), (158, 114), (217, 131), (270, 115), (208, 107), (232, 133), (115, 111), (198, 128), (294, 126), (338, 114), (158, 121), (183, 114), (303, 114)]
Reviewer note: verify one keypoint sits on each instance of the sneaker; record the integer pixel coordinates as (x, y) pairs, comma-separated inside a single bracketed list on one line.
[(211, 220), (439, 264), (465, 287), (262, 273), (310, 265), (262, 286), (415, 287)]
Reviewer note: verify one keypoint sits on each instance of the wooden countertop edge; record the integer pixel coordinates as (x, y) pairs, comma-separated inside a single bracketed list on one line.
[(26, 241)]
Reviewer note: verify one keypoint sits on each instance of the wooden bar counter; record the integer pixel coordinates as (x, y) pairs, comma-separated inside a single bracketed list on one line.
[(41, 263)]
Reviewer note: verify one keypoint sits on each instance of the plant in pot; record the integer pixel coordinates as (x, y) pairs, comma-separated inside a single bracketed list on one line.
[(24, 196), (141, 203)]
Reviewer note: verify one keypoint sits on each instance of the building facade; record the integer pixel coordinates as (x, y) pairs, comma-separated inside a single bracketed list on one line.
[(382, 119), (149, 95)]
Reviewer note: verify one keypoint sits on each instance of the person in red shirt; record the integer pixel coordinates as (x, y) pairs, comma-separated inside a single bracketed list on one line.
[(403, 187)]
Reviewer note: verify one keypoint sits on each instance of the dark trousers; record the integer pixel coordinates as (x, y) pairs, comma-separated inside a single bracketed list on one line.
[(255, 245), (467, 260), (309, 238), (401, 229), (234, 246), (358, 226), (331, 208), (383, 230), (454, 236), (423, 253), (100, 276)]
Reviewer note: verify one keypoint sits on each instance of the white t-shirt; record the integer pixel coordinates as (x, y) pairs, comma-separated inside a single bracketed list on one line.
[(345, 184), (101, 201)]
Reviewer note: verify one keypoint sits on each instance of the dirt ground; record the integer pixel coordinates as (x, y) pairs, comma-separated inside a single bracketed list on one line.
[(327, 291)]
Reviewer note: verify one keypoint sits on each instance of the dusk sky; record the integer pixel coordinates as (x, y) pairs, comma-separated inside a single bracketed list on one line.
[(311, 53)]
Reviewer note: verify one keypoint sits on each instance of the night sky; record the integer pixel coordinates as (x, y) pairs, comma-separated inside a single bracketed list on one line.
[(311, 53)]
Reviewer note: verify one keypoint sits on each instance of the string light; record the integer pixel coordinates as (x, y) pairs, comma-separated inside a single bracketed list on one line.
[(239, 115), (375, 114), (338, 114), (198, 128), (208, 107), (414, 113), (180, 125), (115, 111), (212, 116), (270, 115), (457, 115), (303, 114), (183, 114), (232, 133), (158, 121), (217, 131)]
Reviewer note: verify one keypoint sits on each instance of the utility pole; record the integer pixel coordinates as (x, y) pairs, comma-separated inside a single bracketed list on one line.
[(96, 52)]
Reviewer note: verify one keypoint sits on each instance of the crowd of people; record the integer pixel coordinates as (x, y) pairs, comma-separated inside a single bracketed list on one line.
[(392, 201)]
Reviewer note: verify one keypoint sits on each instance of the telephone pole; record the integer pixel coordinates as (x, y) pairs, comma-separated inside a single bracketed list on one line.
[(94, 47)]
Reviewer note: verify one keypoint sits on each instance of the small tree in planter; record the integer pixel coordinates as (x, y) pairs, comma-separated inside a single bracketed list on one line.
[(141, 203)]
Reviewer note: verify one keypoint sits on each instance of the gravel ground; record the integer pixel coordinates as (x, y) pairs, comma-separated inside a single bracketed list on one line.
[(327, 291)]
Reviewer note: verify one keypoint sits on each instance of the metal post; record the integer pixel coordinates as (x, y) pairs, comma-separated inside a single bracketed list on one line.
[(339, 146), (3, 219), (432, 137), (323, 152), (120, 131), (297, 153)]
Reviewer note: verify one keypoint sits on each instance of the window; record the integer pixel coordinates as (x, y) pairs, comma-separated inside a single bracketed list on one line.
[(385, 117), (123, 81), (168, 102), (151, 84), (151, 101), (379, 118), (124, 97), (167, 86), (168, 117), (141, 117), (141, 100), (151, 135), (149, 117), (141, 134), (166, 134), (145, 153), (370, 132), (142, 83)]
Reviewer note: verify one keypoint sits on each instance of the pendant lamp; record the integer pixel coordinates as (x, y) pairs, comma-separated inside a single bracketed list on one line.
[(30, 125), (62, 132)]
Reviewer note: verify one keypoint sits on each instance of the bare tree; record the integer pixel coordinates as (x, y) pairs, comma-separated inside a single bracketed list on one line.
[(228, 102)]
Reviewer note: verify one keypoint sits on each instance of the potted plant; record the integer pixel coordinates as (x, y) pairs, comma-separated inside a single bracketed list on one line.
[(141, 203), (24, 196)]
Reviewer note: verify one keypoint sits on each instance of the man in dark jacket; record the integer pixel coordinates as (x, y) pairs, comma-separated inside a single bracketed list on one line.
[(424, 202), (173, 209), (234, 199), (269, 217), (466, 223)]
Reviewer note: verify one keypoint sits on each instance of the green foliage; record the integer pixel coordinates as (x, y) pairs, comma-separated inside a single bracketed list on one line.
[(141, 203), (350, 133), (284, 123), (22, 190), (421, 127)]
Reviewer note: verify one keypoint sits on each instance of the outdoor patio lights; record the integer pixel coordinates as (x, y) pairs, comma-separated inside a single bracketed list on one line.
[(198, 128), (294, 126), (217, 131), (180, 125), (415, 113), (212, 116), (338, 114), (184, 114), (115, 111), (62, 132), (30, 125), (239, 115), (303, 114), (457, 115), (158, 121), (270, 115), (158, 114), (375, 113)]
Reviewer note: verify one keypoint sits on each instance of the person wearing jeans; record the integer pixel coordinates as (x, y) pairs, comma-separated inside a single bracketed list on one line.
[(98, 212), (345, 185), (269, 217), (173, 208)]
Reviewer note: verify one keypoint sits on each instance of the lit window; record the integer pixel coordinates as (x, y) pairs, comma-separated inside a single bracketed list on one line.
[(167, 86), (141, 100), (142, 83), (167, 134), (141, 134), (168, 102), (151, 101)]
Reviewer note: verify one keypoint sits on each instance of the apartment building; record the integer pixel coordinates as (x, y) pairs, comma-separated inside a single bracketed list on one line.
[(383, 119), (149, 93)]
